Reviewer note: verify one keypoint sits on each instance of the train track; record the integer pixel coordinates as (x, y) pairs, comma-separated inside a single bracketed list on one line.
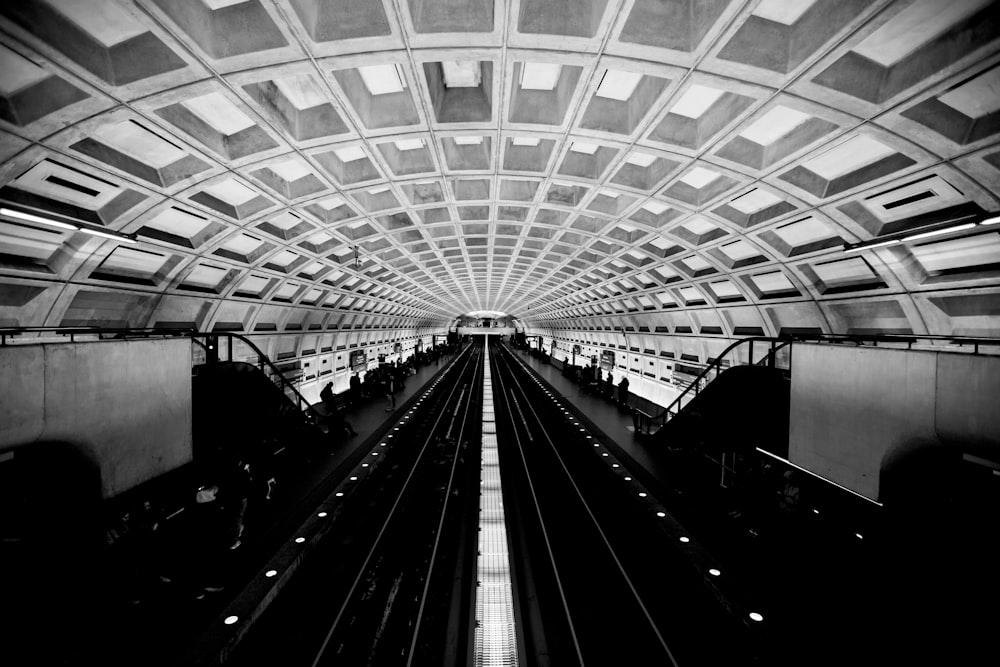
[(378, 588), (599, 583), (595, 580)]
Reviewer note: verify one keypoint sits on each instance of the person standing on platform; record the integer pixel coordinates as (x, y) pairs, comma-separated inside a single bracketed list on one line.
[(355, 389), (335, 422), (609, 387), (208, 541), (623, 392), (326, 395), (390, 392), (240, 485)]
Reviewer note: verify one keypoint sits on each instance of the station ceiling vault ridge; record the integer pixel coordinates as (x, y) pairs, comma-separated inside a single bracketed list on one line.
[(693, 166)]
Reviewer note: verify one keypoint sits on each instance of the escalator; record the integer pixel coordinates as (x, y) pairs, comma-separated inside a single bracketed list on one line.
[(743, 408), (239, 413)]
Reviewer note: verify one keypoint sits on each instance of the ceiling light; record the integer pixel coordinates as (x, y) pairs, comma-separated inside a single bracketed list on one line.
[(859, 248), (525, 141), (939, 232), (539, 76), (990, 221), (383, 79), (756, 617), (114, 236), (28, 217), (231, 619), (618, 85)]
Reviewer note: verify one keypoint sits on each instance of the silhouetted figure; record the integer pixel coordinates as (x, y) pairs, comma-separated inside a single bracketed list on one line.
[(240, 485), (623, 392), (390, 392), (326, 395), (336, 424), (355, 389), (208, 542)]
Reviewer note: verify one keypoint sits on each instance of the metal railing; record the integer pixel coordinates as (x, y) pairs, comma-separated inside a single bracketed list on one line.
[(778, 354), (209, 342), (648, 424), (12, 335)]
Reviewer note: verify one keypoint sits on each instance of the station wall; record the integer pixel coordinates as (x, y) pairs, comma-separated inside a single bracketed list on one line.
[(854, 409), (125, 404)]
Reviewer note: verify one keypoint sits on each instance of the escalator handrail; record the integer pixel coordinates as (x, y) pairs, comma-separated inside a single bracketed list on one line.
[(787, 340), (275, 371), (193, 334), (716, 364)]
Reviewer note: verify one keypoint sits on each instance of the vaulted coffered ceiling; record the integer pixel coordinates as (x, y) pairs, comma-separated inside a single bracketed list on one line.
[(359, 162)]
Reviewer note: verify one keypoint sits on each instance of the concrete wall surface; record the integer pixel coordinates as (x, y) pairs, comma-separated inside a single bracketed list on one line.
[(968, 400), (854, 408), (126, 404)]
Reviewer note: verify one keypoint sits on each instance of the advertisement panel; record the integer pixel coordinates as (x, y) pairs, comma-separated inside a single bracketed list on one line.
[(607, 360), (359, 360)]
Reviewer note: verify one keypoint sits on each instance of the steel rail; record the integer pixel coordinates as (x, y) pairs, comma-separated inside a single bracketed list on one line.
[(541, 520), (590, 513), (388, 520), (444, 510)]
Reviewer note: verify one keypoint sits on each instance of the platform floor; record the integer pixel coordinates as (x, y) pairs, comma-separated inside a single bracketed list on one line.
[(368, 419)]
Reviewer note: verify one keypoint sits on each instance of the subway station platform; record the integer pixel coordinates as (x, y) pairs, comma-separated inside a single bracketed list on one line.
[(168, 622)]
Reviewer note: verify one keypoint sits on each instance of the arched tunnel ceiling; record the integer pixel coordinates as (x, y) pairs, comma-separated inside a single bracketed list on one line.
[(573, 162)]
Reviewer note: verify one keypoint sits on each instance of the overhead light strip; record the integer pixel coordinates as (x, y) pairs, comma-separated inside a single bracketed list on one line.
[(68, 226), (906, 237), (29, 217)]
